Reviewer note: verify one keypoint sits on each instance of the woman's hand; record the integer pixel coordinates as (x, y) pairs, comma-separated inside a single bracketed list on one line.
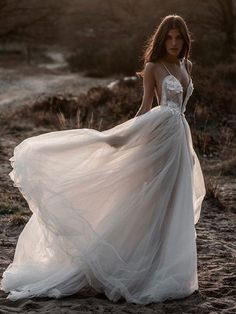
[(193, 158), (115, 141)]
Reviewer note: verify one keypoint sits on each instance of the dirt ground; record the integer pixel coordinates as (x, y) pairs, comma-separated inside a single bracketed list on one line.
[(216, 274), (216, 245), (24, 84)]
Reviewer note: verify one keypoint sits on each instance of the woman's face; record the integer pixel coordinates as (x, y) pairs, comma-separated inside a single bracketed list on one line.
[(174, 42)]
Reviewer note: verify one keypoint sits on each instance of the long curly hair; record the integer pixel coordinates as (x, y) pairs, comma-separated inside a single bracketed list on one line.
[(155, 47)]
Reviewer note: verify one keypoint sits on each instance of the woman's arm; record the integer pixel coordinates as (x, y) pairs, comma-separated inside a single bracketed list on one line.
[(148, 89), (148, 95), (189, 66)]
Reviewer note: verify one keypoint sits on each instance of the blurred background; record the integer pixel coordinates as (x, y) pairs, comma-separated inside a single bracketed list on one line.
[(65, 47), (107, 36), (71, 64), (68, 46)]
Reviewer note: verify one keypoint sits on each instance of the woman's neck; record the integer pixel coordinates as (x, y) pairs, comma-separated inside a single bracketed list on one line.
[(171, 59)]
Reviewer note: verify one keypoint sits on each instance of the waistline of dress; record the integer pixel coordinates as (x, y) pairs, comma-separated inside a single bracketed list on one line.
[(173, 107)]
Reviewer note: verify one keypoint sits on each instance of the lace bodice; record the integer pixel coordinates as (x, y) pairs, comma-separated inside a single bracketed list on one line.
[(173, 94)]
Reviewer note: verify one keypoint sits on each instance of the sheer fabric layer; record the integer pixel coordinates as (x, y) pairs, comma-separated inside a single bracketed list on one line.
[(122, 220)]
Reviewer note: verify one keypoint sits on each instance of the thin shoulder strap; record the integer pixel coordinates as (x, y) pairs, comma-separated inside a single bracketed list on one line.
[(166, 68)]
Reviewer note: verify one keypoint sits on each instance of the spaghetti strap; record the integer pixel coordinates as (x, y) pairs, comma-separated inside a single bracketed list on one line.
[(166, 68)]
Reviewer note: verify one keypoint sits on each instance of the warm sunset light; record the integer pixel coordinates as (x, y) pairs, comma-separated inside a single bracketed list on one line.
[(117, 150)]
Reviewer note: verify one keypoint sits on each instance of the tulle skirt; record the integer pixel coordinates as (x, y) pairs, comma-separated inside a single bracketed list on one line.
[(119, 219)]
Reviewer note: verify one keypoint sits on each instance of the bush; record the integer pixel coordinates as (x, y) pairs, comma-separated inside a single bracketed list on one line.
[(214, 86), (117, 57)]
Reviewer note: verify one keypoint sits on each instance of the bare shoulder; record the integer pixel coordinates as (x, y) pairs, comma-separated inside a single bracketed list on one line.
[(189, 65), (149, 67), (156, 68), (149, 72), (153, 65)]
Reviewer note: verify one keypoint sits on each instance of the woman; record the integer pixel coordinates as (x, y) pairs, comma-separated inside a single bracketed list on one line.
[(116, 209)]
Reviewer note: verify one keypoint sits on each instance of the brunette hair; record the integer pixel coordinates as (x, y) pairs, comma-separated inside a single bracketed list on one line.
[(155, 47)]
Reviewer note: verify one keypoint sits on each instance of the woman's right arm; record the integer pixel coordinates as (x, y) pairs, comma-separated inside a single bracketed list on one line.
[(148, 89)]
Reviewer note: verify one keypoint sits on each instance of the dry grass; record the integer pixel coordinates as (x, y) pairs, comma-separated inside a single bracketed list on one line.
[(101, 109), (18, 220)]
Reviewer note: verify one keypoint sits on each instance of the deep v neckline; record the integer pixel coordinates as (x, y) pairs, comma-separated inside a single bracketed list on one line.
[(185, 91)]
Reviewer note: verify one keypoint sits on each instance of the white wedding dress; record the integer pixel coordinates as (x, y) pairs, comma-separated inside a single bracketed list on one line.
[(119, 219)]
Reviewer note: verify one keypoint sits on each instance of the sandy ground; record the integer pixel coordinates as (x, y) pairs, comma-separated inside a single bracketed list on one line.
[(216, 269), (216, 234), (216, 246)]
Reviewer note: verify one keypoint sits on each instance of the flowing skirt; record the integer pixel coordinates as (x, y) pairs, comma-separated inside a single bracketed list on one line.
[(119, 219)]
